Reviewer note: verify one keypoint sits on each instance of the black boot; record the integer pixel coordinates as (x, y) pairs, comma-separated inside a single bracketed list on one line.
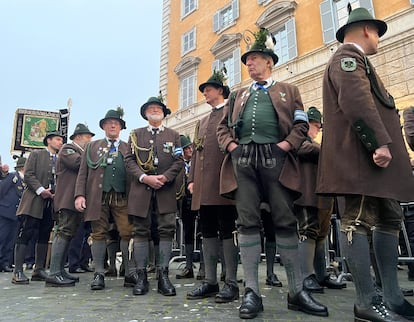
[(165, 286), (142, 286)]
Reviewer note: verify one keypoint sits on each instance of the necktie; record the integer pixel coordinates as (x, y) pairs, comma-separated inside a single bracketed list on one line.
[(112, 148), (155, 130), (261, 85)]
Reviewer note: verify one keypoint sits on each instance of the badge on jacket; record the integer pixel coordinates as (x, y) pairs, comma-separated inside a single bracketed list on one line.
[(348, 64)]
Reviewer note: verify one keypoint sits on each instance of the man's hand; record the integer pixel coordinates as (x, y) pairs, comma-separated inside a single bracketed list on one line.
[(47, 194), (284, 145), (155, 181), (382, 156), (80, 203), (190, 187), (232, 146)]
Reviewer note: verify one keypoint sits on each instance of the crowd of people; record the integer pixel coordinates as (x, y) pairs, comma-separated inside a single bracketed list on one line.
[(253, 172)]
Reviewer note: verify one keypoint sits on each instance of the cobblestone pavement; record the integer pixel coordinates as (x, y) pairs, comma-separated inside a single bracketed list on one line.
[(35, 302)]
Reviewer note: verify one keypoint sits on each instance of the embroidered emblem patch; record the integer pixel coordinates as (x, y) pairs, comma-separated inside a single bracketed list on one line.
[(348, 64)]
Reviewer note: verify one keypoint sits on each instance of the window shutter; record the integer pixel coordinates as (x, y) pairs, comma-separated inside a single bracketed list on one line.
[(216, 22), (216, 65), (235, 9), (327, 20), (236, 65), (291, 38)]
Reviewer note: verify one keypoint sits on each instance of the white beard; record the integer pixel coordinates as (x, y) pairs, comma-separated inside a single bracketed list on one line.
[(155, 118)]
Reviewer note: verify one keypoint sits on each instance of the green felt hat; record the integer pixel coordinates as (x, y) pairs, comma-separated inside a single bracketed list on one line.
[(314, 114), (360, 15), (217, 80), (264, 44), (157, 101), (81, 129), (114, 115), (51, 135), (185, 141)]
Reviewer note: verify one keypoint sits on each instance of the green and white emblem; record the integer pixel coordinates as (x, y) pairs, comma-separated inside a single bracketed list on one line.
[(348, 64)]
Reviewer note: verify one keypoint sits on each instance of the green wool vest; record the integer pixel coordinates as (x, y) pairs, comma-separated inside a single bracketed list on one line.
[(260, 123), (115, 175)]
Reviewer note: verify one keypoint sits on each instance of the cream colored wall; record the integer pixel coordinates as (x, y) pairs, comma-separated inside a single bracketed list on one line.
[(394, 61)]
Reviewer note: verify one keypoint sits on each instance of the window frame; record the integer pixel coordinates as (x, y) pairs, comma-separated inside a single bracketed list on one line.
[(191, 10), (192, 31), (218, 26)]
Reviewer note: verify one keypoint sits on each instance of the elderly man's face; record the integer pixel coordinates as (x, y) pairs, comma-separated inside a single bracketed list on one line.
[(112, 128), (259, 66), (154, 113)]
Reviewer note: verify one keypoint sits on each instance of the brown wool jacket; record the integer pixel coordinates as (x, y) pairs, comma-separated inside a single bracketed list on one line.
[(355, 122), (286, 99)]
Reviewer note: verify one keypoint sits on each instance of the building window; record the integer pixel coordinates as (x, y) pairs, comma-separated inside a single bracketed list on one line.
[(226, 16), (188, 41), (187, 7), (285, 47), (231, 64), (334, 14), (279, 20), (188, 94)]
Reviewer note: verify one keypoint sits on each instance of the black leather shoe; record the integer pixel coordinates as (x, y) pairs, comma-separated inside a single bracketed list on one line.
[(311, 284), (165, 286), (303, 301), (332, 284), (19, 278), (130, 280), (272, 280), (228, 293), (98, 282), (251, 305), (77, 270), (70, 276), (111, 272), (376, 313), (58, 280), (203, 291), (185, 273), (405, 309), (39, 275), (86, 268), (6, 269), (142, 286)]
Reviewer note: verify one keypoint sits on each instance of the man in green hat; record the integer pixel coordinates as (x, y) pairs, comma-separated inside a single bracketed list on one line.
[(154, 159), (217, 214), (262, 128), (313, 213), (187, 216), (68, 218), (36, 207), (363, 158), (101, 192), (12, 187)]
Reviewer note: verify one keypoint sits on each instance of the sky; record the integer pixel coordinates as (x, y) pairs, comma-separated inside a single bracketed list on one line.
[(99, 53)]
